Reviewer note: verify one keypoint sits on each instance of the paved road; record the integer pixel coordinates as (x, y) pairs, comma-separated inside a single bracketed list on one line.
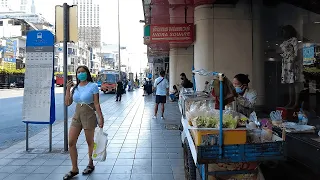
[(11, 127)]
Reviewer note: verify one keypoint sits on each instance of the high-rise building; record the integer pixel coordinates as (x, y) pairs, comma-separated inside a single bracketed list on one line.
[(4, 3), (26, 6), (89, 22)]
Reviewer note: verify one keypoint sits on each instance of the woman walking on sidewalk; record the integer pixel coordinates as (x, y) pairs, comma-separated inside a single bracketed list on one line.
[(86, 94)]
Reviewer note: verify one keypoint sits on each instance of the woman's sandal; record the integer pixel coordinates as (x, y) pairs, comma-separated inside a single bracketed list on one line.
[(88, 170), (70, 175)]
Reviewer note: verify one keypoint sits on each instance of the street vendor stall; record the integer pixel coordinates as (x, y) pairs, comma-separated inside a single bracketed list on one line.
[(188, 96), (302, 143), (224, 144)]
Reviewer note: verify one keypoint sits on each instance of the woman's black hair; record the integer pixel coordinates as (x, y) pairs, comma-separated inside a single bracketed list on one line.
[(89, 77), (175, 87), (162, 73), (288, 32), (242, 78)]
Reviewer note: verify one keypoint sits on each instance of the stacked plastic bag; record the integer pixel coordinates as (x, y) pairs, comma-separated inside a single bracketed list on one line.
[(203, 115)]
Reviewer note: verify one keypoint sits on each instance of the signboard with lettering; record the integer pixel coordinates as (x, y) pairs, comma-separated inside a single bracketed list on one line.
[(308, 54), (146, 34), (172, 33), (10, 50), (39, 99)]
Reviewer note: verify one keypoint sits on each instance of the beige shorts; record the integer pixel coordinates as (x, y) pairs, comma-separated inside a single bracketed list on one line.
[(84, 117)]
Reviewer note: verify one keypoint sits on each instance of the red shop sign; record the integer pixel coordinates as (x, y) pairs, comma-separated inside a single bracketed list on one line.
[(175, 33)]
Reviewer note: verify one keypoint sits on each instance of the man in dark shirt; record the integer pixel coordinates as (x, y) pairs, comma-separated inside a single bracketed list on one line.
[(119, 90), (186, 83)]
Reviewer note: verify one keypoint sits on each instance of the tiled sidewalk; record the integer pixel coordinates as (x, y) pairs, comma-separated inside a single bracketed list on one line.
[(140, 148)]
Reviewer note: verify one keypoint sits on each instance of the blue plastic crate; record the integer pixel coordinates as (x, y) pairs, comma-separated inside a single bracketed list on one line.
[(242, 153)]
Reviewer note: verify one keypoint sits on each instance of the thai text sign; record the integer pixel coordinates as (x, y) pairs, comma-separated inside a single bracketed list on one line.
[(308, 54), (175, 33)]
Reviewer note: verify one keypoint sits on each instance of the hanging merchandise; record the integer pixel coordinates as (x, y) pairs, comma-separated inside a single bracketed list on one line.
[(276, 117), (203, 72)]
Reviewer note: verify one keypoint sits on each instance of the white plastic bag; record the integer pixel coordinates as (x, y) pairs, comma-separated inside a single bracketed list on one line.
[(100, 145)]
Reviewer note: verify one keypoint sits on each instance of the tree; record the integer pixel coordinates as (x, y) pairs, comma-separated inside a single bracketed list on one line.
[(12, 71)]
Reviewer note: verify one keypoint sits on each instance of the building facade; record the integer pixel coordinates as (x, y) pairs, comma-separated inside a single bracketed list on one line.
[(110, 57), (89, 22), (5, 3), (12, 53), (14, 31), (26, 6), (95, 60), (79, 54), (33, 18)]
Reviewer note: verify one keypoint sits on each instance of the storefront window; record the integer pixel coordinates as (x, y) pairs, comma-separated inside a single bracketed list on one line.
[(290, 41)]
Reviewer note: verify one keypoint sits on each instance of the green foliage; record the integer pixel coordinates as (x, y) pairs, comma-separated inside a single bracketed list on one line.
[(12, 71), (311, 73), (61, 73), (311, 70)]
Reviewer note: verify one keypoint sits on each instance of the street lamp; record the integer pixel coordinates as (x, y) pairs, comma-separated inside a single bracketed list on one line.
[(119, 48)]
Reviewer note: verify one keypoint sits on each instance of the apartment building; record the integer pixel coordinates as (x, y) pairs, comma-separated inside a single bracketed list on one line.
[(89, 22)]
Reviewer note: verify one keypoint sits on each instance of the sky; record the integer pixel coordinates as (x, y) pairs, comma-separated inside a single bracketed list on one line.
[(131, 12), (131, 30)]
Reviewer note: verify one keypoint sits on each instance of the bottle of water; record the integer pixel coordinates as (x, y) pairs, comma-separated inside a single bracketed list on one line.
[(300, 117), (304, 120)]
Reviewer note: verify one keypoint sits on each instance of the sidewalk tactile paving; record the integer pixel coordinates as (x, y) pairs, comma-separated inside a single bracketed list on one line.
[(139, 147)]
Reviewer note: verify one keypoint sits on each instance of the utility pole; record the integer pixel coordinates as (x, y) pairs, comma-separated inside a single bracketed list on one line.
[(119, 43), (66, 30), (65, 69)]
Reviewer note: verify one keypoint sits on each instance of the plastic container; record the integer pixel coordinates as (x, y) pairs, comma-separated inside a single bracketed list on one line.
[(300, 117), (255, 135), (230, 136)]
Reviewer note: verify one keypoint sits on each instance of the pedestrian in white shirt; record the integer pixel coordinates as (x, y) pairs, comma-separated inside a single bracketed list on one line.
[(161, 85), (247, 97)]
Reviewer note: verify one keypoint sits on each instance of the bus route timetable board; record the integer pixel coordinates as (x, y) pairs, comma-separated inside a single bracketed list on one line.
[(38, 98)]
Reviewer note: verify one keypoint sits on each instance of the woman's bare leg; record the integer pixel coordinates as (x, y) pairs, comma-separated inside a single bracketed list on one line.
[(90, 141), (73, 138)]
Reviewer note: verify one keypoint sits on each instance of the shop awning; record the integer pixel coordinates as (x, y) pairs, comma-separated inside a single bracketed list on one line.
[(166, 12)]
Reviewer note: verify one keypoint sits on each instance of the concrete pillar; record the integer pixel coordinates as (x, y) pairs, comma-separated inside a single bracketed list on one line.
[(203, 46), (257, 79), (180, 61), (173, 58), (177, 15)]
